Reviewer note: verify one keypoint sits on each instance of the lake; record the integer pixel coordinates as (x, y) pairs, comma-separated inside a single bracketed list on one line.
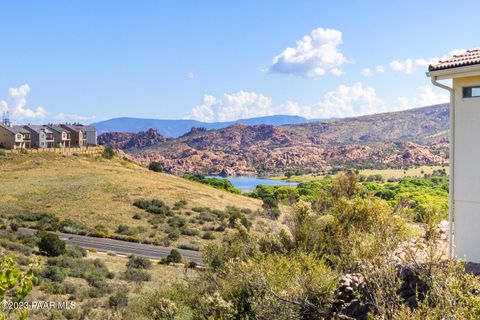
[(249, 183)]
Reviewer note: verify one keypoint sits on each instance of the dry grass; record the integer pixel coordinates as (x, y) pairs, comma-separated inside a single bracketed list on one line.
[(96, 191)]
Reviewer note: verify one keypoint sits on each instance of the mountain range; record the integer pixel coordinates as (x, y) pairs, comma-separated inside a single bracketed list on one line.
[(396, 139), (175, 128)]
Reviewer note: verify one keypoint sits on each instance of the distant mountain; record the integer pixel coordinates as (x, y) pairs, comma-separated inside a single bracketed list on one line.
[(395, 139), (176, 128)]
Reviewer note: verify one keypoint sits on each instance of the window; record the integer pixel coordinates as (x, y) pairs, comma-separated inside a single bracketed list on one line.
[(471, 92)]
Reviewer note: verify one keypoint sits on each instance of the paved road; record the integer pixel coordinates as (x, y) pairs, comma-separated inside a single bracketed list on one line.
[(120, 247)]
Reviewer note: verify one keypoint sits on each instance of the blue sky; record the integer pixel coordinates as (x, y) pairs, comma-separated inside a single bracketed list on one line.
[(215, 60)]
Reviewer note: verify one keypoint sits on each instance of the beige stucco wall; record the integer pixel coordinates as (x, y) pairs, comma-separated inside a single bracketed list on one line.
[(7, 138), (466, 195)]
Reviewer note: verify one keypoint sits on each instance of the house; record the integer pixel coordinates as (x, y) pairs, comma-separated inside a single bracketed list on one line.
[(81, 135), (14, 137), (42, 136), (463, 74), (61, 136)]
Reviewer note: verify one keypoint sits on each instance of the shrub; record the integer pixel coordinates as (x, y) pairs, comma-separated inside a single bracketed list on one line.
[(174, 256), (179, 204), (75, 252), (129, 231), (108, 153), (51, 245), (159, 308), (207, 216), (15, 246), (237, 215), (71, 314), (155, 166), (189, 231), (173, 235), (189, 246), (139, 263), (156, 220), (201, 209), (98, 281), (223, 184), (208, 235), (118, 300), (153, 206), (69, 288), (71, 226), (53, 273), (176, 221), (136, 275), (136, 216)]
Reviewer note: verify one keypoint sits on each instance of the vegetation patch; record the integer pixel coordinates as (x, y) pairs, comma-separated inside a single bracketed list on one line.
[(223, 184)]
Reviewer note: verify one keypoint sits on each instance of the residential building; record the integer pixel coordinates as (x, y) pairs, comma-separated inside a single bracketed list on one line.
[(14, 137), (81, 135), (462, 73), (61, 136), (42, 136)]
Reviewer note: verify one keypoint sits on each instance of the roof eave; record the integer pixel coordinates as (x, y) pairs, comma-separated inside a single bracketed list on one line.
[(458, 72)]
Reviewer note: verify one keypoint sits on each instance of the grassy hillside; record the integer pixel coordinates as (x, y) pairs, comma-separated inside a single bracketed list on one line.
[(99, 193)]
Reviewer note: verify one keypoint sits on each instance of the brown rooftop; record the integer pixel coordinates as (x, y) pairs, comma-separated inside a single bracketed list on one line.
[(470, 57)]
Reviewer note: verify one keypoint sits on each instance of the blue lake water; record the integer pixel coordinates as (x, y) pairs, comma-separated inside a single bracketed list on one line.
[(249, 183)]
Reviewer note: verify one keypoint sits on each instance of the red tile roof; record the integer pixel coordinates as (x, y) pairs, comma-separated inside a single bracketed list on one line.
[(470, 57)]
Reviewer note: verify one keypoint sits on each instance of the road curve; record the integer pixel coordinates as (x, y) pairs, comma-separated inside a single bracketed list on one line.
[(121, 247)]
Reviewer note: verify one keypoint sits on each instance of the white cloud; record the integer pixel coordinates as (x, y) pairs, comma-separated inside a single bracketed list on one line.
[(426, 97), (366, 72), (16, 103), (369, 72), (408, 66), (405, 66), (313, 56), (337, 72), (379, 69), (73, 117), (232, 106), (190, 75), (348, 101), (344, 101)]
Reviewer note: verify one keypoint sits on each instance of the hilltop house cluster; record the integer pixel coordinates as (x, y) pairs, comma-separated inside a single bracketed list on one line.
[(46, 136)]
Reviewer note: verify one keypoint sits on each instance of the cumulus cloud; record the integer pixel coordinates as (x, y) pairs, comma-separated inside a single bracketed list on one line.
[(379, 69), (313, 56), (348, 101), (369, 72), (408, 66), (190, 75), (16, 103), (232, 106), (344, 101), (73, 117), (426, 97)]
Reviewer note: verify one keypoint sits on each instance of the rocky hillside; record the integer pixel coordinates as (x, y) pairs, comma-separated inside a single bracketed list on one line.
[(129, 140), (417, 136)]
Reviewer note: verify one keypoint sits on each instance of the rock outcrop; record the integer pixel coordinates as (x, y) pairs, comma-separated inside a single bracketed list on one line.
[(412, 137), (129, 140)]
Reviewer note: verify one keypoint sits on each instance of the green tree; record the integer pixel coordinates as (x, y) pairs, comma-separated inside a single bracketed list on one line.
[(16, 285), (108, 153), (51, 245), (174, 256), (155, 166)]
